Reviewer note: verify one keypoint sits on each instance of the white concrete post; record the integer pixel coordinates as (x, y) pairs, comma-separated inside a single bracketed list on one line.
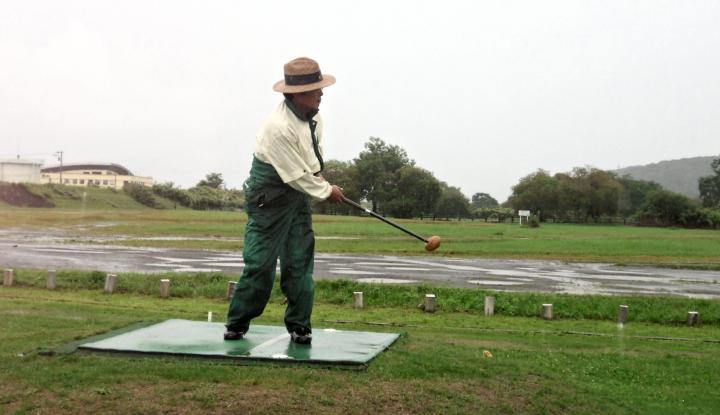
[(547, 311), (429, 303), (489, 306), (693, 318), (622, 314), (358, 295), (51, 279), (164, 288), (110, 283), (8, 277), (230, 290)]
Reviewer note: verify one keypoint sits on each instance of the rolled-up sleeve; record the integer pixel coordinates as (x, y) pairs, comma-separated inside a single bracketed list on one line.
[(316, 187)]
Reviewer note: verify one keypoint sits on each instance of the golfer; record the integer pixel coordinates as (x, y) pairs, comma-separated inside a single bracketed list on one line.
[(284, 177)]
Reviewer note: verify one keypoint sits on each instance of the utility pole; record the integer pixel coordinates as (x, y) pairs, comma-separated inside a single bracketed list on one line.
[(59, 155)]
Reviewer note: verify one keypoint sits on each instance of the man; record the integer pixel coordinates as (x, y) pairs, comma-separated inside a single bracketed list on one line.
[(285, 175)]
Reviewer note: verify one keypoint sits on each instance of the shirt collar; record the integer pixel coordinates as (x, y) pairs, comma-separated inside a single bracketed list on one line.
[(297, 112)]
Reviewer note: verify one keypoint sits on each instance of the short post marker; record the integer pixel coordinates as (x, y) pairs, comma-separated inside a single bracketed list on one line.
[(230, 290), (489, 306), (164, 288), (110, 283), (622, 314), (547, 311), (8, 277), (358, 295), (51, 279), (429, 303), (693, 318)]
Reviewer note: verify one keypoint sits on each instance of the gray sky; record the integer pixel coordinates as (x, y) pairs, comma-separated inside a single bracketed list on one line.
[(479, 92)]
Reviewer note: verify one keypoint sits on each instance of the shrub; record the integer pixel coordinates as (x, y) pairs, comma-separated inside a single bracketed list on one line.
[(533, 221), (141, 194), (664, 208)]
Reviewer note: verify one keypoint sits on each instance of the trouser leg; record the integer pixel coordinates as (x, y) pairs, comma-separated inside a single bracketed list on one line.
[(265, 234), (296, 269)]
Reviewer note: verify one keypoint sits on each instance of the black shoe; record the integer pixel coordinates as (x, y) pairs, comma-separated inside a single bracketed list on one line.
[(233, 335), (301, 336)]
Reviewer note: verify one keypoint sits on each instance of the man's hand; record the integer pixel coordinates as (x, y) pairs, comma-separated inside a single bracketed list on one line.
[(337, 195)]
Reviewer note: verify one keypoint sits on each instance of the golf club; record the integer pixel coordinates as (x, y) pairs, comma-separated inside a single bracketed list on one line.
[(430, 244)]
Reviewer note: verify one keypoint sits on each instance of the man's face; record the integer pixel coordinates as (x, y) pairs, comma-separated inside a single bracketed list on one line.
[(309, 100)]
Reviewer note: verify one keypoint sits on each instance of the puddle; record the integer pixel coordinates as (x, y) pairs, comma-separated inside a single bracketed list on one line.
[(491, 282), (385, 281)]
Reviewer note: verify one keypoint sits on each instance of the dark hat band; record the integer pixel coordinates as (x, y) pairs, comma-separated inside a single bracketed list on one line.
[(304, 79)]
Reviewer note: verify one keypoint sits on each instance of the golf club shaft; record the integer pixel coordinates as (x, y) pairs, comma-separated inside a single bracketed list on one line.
[(371, 213)]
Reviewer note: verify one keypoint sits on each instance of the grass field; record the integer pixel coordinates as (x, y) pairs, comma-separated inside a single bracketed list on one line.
[(438, 366), (583, 362), (352, 234), (91, 198)]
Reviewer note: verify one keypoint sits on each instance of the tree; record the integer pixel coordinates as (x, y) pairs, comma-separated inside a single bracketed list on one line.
[(452, 203), (340, 173), (377, 168), (587, 193), (536, 192), (665, 208), (709, 187), (418, 192), (212, 180), (484, 200), (633, 194), (604, 193)]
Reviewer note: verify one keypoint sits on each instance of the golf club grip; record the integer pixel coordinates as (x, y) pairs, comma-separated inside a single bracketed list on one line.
[(375, 215)]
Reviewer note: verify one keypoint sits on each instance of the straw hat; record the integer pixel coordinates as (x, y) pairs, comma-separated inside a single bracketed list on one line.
[(302, 75)]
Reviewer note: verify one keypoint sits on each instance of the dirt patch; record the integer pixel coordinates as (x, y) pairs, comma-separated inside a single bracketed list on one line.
[(16, 194), (360, 396)]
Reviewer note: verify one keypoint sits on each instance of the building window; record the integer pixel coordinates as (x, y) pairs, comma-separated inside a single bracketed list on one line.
[(66, 181), (82, 181), (86, 172), (97, 182), (74, 181), (97, 172), (105, 182)]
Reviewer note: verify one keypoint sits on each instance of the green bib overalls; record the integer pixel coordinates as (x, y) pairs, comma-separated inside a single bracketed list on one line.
[(279, 226)]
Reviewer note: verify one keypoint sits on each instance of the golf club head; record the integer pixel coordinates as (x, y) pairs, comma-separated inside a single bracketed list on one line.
[(433, 243)]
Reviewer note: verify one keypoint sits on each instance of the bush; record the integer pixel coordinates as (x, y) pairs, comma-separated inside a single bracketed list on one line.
[(533, 221), (664, 208), (141, 194)]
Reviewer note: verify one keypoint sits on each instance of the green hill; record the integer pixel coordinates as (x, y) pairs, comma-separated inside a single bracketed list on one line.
[(71, 197), (680, 176)]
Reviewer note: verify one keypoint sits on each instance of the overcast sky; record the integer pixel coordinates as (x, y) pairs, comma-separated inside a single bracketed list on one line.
[(480, 93)]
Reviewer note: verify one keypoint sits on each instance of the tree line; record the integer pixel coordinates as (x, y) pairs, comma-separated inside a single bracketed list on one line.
[(587, 194), (393, 185), (384, 176)]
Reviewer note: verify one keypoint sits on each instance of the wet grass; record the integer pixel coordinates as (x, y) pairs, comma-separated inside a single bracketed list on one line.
[(438, 366), (351, 234), (649, 309)]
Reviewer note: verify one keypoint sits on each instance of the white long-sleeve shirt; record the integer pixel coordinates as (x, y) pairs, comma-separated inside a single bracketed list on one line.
[(285, 142)]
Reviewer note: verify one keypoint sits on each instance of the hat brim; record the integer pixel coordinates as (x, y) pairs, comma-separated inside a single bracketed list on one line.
[(280, 86)]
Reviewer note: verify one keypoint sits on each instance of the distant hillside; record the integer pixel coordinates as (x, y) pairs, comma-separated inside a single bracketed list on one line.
[(680, 176), (71, 197)]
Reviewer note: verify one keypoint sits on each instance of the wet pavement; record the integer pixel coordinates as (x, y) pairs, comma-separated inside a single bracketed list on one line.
[(44, 250)]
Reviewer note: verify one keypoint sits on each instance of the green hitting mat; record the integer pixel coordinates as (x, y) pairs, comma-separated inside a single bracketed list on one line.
[(261, 343)]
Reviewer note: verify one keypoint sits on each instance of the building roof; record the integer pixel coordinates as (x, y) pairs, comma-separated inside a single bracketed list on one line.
[(22, 161), (116, 168)]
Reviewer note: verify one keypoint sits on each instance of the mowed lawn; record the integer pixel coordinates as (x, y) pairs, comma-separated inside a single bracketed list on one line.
[(353, 234), (438, 366), (582, 362)]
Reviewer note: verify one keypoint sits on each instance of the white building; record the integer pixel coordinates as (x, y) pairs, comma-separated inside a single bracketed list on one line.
[(93, 174), (20, 171)]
